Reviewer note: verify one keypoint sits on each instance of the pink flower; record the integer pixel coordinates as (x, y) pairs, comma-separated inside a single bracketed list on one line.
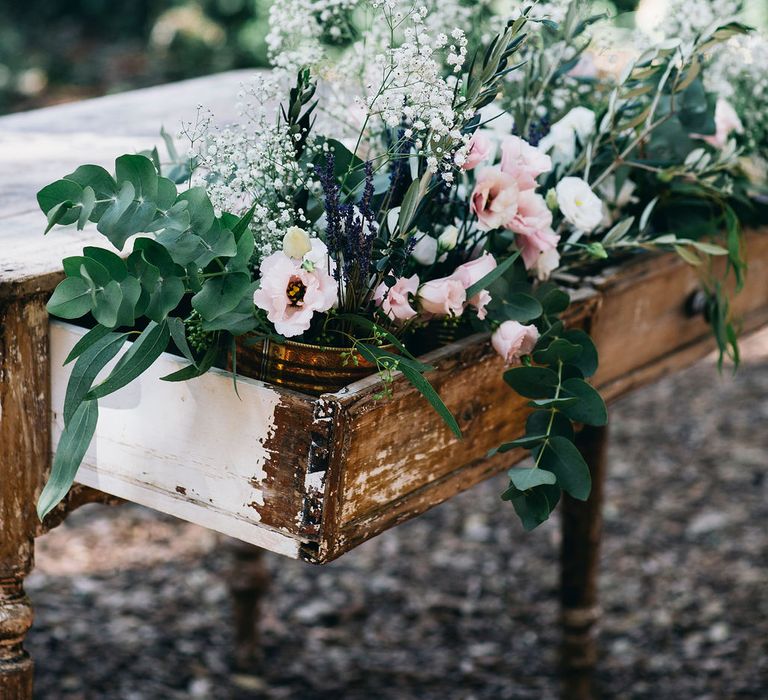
[(512, 340), (394, 300), (524, 162), (472, 272), (494, 200), (443, 297), (533, 246), (291, 294), (480, 147), (533, 214)]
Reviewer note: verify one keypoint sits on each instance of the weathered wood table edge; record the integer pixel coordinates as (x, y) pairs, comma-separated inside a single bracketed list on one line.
[(25, 372)]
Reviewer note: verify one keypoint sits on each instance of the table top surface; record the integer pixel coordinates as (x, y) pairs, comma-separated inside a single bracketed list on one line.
[(43, 145)]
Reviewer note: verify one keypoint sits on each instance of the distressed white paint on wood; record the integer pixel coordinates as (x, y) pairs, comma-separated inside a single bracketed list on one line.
[(189, 449)]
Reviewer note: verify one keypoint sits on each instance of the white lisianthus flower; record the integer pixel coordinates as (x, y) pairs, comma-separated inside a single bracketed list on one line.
[(296, 242), (317, 258), (580, 206), (425, 250), (448, 238), (496, 121), (561, 139)]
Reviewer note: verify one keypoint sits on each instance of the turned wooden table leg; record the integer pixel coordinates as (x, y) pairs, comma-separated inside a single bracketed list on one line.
[(24, 458), (248, 581), (582, 528)]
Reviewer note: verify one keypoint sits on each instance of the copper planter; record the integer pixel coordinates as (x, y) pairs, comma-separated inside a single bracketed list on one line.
[(310, 369)]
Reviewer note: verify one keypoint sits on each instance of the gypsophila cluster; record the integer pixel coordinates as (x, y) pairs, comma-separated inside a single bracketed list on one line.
[(738, 73), (684, 19), (255, 162), (299, 29), (412, 89)]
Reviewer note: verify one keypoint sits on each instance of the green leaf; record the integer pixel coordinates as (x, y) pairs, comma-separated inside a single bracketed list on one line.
[(70, 299), (94, 271), (521, 307), (524, 479), (532, 382), (131, 290), (527, 442), (140, 171), (559, 350), (183, 246), (88, 365), (117, 222), (563, 459), (112, 262), (179, 337), (587, 361), (140, 356), (239, 228), (220, 295), (200, 209), (59, 214), (245, 246), (590, 407), (553, 299), (533, 507), (408, 208), (539, 422), (58, 192), (95, 177), (415, 377), (558, 402), (92, 336), (492, 276), (192, 371), (87, 203), (74, 442), (107, 303)]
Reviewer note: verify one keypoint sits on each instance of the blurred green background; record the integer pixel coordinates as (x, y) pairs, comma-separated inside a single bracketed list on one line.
[(59, 50)]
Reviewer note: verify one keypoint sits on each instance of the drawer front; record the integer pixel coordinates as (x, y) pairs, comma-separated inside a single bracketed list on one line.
[(194, 449), (643, 328)]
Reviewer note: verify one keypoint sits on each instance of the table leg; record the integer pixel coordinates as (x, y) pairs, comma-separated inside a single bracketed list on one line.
[(24, 461), (582, 528), (248, 582)]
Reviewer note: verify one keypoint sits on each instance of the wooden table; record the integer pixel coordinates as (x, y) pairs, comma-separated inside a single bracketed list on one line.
[(637, 316)]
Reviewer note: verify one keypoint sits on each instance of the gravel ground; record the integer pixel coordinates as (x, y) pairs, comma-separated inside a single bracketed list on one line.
[(458, 604)]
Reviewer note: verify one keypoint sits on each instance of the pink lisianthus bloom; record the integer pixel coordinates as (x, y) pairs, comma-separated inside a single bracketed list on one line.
[(533, 214), (494, 200), (472, 272), (443, 297), (480, 147), (523, 162), (292, 294), (512, 340), (394, 301), (534, 246)]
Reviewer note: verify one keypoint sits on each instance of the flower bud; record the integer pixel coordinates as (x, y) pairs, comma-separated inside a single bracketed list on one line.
[(296, 243), (448, 238)]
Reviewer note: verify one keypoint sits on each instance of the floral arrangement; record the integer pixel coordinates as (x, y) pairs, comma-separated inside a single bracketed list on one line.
[(395, 182)]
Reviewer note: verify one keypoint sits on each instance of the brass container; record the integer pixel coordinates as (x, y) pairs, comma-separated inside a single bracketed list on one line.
[(310, 369)]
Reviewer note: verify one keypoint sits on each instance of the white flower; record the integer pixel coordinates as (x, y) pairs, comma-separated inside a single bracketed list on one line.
[(448, 238), (496, 120), (580, 206), (425, 250), (317, 258), (579, 124), (296, 242)]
